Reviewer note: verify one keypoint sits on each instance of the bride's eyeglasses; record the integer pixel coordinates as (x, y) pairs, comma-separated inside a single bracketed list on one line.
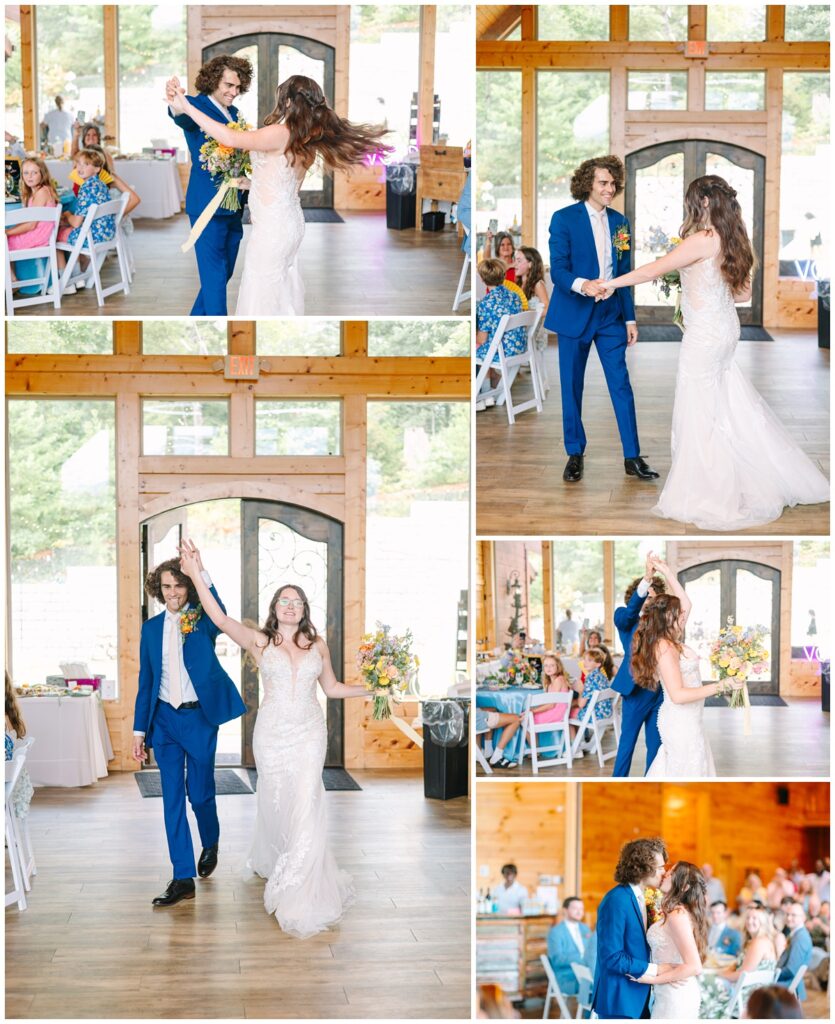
[(287, 602)]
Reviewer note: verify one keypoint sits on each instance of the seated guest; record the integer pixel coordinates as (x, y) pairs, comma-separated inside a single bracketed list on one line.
[(721, 938), (758, 954), (820, 879), (519, 641), (84, 135), (778, 888), (715, 891), (508, 723), (798, 952), (530, 276), (804, 892), (752, 889), (589, 638), (796, 873), (500, 299), (594, 665), (36, 190), (111, 179), (818, 922), (772, 1003), (88, 162), (501, 248), (511, 895), (567, 943), (15, 729)]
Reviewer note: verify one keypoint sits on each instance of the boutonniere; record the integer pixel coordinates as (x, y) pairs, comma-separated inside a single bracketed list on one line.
[(621, 240), (652, 899), (188, 620)]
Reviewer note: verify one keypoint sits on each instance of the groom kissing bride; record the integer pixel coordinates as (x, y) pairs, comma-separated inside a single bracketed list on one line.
[(647, 943)]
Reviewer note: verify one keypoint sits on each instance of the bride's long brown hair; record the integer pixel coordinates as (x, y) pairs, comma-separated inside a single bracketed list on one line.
[(305, 627), (315, 128), (689, 890), (724, 215), (659, 621)]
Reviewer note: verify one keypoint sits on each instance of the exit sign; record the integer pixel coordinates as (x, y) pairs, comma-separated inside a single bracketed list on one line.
[(695, 48), (241, 368)]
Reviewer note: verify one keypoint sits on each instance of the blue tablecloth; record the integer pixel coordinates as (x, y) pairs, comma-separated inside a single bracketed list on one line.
[(35, 268), (512, 701)]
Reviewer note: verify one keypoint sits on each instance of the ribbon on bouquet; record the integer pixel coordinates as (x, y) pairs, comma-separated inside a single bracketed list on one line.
[(199, 225), (408, 731), (746, 712)]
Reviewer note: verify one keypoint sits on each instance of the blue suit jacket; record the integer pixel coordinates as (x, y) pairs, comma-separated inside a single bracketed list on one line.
[(563, 953), (202, 186), (622, 949), (795, 955), (626, 622), (574, 254), (219, 700), (730, 942)]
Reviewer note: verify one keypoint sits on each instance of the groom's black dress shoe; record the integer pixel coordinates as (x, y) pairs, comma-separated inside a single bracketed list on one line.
[(178, 889), (638, 467), (207, 862), (573, 469)]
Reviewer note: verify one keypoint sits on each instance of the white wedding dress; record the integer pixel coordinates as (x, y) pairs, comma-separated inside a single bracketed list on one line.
[(272, 284), (733, 463), (305, 889), (672, 1002), (685, 750)]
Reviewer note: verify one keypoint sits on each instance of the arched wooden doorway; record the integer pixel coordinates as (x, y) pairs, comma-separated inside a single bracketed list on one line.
[(656, 180), (265, 543), (274, 57)]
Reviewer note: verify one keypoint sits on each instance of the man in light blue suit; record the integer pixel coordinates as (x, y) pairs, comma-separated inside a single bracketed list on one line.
[(183, 696), (721, 938), (568, 942), (218, 83), (623, 952), (589, 243), (798, 951)]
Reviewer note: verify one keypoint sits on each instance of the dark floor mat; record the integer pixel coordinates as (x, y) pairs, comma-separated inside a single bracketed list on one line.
[(758, 700), (227, 783), (669, 332), (313, 215), (333, 779)]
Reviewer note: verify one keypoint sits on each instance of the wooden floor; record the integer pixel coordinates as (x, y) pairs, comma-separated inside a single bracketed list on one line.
[(787, 743), (519, 485), (359, 268), (91, 946)]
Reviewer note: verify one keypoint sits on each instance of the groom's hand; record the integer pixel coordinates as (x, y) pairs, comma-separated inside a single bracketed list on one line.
[(139, 752), (593, 289), (631, 334)]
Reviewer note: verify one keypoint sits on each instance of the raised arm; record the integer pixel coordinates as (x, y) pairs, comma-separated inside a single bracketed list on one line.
[(669, 668), (675, 588), (694, 248), (328, 681), (273, 136), (680, 927), (249, 639)]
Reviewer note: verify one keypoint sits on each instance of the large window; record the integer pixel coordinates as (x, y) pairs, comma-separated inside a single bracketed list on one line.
[(152, 48), (807, 22), (732, 23), (583, 22), (385, 45), (572, 113), (499, 164), (304, 336), (14, 93), (662, 23), (70, 55), (734, 90), (805, 175), (417, 527), (183, 426), (418, 337), (657, 90), (62, 501), (811, 598), (59, 337), (184, 337), (578, 588), (453, 47), (309, 427)]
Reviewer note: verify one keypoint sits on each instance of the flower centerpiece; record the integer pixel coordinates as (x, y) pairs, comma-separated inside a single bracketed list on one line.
[(652, 899), (227, 163), (517, 669), (736, 653), (387, 666)]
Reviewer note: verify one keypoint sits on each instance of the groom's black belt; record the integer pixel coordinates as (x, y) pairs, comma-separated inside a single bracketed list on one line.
[(187, 705)]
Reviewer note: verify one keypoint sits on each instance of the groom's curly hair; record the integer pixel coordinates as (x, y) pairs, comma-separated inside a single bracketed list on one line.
[(583, 177), (637, 860), (209, 76), (153, 581), (657, 585)]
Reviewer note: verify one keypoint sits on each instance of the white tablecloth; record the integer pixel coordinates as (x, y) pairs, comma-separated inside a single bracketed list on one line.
[(156, 182), (72, 744)]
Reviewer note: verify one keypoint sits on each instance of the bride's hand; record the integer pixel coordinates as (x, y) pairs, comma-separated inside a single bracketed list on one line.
[(190, 562)]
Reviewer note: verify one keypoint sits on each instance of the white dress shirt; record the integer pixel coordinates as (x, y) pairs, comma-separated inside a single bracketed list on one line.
[(599, 224), (638, 890), (576, 935), (224, 110), (511, 897)]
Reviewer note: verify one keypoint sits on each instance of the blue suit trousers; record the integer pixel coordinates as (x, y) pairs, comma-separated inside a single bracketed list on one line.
[(184, 743), (640, 708), (216, 250), (607, 331)]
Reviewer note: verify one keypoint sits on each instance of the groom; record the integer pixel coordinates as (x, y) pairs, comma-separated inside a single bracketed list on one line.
[(590, 242), (183, 696), (218, 83), (623, 952)]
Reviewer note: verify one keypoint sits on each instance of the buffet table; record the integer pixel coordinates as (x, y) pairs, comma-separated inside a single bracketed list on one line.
[(508, 948), (72, 745), (156, 182)]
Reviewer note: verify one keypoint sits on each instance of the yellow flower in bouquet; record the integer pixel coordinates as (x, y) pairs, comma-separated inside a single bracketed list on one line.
[(386, 665), (227, 163)]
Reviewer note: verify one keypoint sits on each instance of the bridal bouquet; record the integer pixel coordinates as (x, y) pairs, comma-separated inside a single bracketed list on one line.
[(737, 653), (652, 899), (658, 242), (387, 665), (226, 163)]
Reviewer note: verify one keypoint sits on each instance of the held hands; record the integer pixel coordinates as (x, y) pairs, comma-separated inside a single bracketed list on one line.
[(597, 290), (190, 561), (175, 96)]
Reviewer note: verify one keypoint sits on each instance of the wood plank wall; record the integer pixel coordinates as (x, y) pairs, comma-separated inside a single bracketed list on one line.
[(787, 302), (334, 485)]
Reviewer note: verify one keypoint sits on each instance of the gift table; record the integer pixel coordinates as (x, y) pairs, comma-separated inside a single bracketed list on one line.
[(72, 745)]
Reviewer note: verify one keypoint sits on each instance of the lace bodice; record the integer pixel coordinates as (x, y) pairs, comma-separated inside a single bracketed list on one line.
[(684, 750), (274, 180), (290, 690), (671, 1002), (662, 947)]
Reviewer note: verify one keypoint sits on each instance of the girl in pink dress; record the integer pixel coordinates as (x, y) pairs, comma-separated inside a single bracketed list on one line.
[(36, 189), (554, 680)]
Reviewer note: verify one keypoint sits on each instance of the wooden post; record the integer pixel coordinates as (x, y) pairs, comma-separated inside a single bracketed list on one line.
[(548, 592), (529, 155), (530, 22), (127, 337), (426, 87), (354, 337), (771, 227), (355, 413), (242, 337), (697, 26), (111, 72), (573, 810), (609, 591), (29, 78), (341, 78), (489, 554), (618, 23), (775, 23)]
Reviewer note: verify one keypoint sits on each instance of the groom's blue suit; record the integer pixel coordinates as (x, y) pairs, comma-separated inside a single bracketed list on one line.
[(217, 248), (622, 949), (185, 738), (640, 706), (578, 321)]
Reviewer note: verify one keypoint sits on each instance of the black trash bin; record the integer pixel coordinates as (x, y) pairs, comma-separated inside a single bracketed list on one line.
[(823, 313), (445, 768), (401, 196)]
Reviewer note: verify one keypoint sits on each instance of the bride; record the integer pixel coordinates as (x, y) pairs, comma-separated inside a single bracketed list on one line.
[(301, 127), (733, 463), (679, 938), (305, 889), (658, 653)]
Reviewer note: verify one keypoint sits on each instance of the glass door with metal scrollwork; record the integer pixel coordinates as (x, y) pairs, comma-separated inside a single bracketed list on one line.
[(656, 180), (275, 56), (286, 544), (747, 591)]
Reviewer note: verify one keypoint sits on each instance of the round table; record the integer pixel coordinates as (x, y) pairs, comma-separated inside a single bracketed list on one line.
[(512, 701), (72, 745), (34, 268), (156, 182)]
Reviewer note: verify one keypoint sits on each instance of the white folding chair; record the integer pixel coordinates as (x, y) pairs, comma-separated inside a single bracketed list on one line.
[(748, 980), (17, 894), (27, 853), (540, 349), (98, 251), (532, 729), (598, 726), (47, 253), (585, 983), (554, 993), (796, 980), (509, 366), (464, 279), (479, 753)]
